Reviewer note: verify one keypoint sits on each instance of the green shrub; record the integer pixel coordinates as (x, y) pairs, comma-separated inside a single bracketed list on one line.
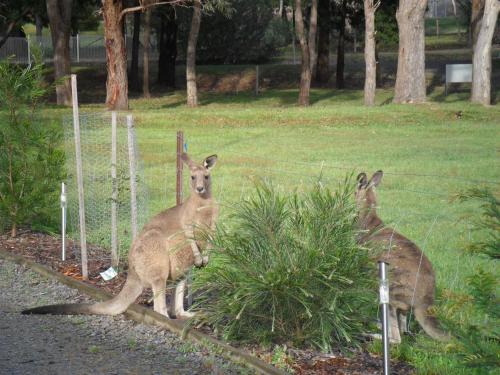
[(488, 222), (289, 269), (30, 161)]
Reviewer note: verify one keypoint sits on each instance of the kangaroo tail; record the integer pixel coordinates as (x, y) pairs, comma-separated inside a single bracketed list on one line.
[(430, 325), (118, 304)]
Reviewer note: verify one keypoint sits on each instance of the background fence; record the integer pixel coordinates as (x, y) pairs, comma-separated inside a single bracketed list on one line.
[(83, 48)]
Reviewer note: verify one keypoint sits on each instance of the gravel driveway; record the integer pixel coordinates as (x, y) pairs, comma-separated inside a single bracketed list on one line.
[(43, 345)]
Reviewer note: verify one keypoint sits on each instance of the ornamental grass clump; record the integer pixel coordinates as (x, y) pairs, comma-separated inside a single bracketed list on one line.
[(287, 268)]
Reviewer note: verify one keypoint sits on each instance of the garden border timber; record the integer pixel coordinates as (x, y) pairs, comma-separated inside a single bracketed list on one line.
[(144, 315)]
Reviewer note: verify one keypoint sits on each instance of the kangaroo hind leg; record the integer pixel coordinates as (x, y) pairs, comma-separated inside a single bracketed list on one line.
[(179, 301), (159, 290)]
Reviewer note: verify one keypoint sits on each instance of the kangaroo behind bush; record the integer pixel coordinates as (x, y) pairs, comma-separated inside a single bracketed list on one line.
[(411, 277), (167, 247)]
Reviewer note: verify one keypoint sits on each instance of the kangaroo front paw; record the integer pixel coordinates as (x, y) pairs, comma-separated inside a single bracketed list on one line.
[(205, 260), (198, 261)]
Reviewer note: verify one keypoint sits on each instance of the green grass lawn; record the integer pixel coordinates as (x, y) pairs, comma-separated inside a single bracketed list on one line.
[(426, 152)]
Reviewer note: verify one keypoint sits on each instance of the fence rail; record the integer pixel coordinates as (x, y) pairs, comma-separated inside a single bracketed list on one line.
[(83, 48)]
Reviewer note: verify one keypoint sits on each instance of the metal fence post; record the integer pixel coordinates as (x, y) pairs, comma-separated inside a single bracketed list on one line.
[(132, 163), (78, 47), (179, 167), (114, 194), (79, 174), (29, 50), (384, 301), (63, 220)]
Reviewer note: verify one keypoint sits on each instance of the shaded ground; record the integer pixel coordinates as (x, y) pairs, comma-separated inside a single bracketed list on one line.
[(34, 344), (104, 341)]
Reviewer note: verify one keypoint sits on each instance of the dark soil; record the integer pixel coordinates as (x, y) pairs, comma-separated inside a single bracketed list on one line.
[(46, 250)]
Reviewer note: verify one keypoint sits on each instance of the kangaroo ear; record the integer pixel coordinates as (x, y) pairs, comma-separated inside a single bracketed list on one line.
[(362, 180), (209, 162), (186, 160), (376, 178)]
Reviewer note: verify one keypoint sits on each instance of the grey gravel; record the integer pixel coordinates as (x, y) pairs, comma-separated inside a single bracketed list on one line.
[(45, 344)]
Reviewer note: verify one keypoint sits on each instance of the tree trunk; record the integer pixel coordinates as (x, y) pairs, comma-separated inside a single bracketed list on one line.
[(481, 63), (410, 77), (370, 58), (308, 48), (13, 230), (305, 73), (323, 66), (313, 30), (59, 13), (39, 27), (341, 52), (116, 58), (475, 20), (168, 48), (145, 64), (134, 65), (192, 91)]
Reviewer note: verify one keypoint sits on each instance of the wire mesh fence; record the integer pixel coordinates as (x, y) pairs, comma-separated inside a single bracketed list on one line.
[(96, 151)]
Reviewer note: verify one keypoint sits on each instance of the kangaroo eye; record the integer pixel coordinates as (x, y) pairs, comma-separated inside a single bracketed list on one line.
[(206, 177), (192, 177)]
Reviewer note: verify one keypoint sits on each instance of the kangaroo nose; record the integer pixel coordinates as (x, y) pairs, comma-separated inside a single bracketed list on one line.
[(200, 188)]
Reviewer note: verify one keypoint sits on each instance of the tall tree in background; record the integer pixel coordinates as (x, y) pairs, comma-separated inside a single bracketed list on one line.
[(59, 13), (145, 64), (370, 56), (481, 63), (410, 77), (116, 58), (134, 64), (192, 90), (475, 20), (324, 30), (341, 12), (307, 46), (168, 46)]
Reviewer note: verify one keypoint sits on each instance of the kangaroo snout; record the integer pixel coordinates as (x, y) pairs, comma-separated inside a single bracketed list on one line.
[(200, 189)]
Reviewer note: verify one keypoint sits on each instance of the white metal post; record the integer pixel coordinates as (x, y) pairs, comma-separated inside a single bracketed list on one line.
[(29, 50), (114, 194), (63, 220), (77, 47), (131, 158), (79, 175), (256, 80), (384, 301)]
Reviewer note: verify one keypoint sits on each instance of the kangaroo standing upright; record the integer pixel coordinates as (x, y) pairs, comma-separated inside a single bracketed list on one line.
[(167, 247), (411, 279)]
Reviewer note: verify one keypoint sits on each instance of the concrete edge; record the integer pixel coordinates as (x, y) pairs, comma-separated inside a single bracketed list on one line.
[(141, 314)]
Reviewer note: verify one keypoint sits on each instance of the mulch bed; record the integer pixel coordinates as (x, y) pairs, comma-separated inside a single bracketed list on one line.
[(46, 250)]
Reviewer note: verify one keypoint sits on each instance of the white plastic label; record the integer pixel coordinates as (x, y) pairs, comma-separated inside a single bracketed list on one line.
[(384, 293), (109, 274)]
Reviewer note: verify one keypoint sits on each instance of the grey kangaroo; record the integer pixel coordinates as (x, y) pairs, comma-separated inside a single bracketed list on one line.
[(167, 247), (407, 263)]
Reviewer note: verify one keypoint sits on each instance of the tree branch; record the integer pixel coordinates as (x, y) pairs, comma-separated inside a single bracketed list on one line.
[(143, 7)]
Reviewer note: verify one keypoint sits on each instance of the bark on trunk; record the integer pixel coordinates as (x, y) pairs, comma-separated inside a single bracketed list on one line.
[(481, 63), (306, 48), (116, 58), (13, 230), (145, 64), (475, 20), (134, 64), (59, 13), (313, 30), (370, 59), (192, 91), (168, 48), (341, 53), (410, 77), (323, 66)]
